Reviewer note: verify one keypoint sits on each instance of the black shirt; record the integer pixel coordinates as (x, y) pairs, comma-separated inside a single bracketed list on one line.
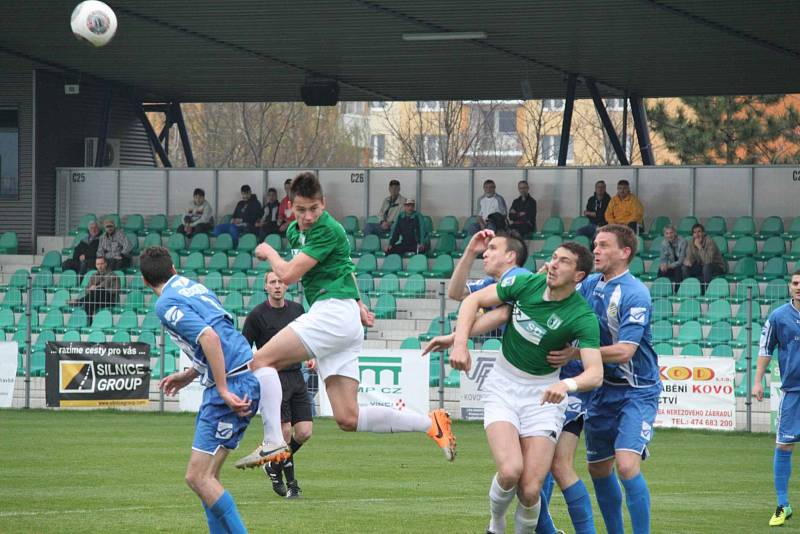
[(264, 321), (599, 206)]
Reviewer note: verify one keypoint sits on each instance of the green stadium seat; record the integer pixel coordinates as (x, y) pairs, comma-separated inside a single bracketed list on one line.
[(71, 336), (128, 321), (410, 343), (176, 260), (775, 268), (350, 224), (657, 227), (446, 244), (636, 266), (662, 310), (414, 287), (741, 314), (740, 294), (150, 323), (218, 262), (744, 246), (389, 285), (722, 351), (741, 340), (77, 320), (442, 267), (38, 298), (794, 253), (466, 229), (689, 289), (719, 310), (744, 225), (177, 243), (41, 340), (365, 283), (793, 232), (434, 370), (385, 306), (134, 223), (51, 262), (83, 224), (689, 332), (54, 320), (654, 251), (177, 222), (492, 344), (194, 262), (689, 310), (721, 333), (692, 349), (242, 263), (434, 329), (771, 226), (576, 224), (722, 244), (661, 288), (239, 282), (38, 363), (157, 224), (716, 225), (96, 336), (59, 301), (640, 245), (777, 290), (371, 244), (553, 225), (530, 264), (663, 349), (448, 225), (7, 320), (199, 243), (213, 281), (392, 264), (234, 302), (247, 243), (22, 324), (152, 239), (113, 216), (103, 320), (717, 289), (745, 268), (684, 226), (453, 379), (256, 298), (551, 243), (662, 332), (582, 240), (417, 263), (260, 269), (121, 336), (9, 243), (354, 253), (367, 263), (427, 225), (13, 300), (275, 241), (222, 243)]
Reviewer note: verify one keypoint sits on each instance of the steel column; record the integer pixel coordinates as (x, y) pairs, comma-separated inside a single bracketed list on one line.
[(138, 108), (100, 156), (184, 133), (606, 120), (642, 131), (625, 124), (566, 124)]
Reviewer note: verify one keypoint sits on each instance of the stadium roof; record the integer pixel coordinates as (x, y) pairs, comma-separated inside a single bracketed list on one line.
[(256, 50)]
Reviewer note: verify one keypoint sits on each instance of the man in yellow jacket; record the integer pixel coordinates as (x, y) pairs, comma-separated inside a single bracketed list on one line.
[(625, 208)]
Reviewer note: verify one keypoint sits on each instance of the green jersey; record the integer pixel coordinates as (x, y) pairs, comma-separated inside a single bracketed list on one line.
[(538, 326), (326, 242)]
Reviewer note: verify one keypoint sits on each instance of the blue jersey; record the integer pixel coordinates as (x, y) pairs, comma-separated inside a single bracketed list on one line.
[(186, 309), (623, 309), (477, 285), (782, 330)]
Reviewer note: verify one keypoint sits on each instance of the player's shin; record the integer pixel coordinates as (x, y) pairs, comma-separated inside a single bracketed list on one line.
[(579, 506), (499, 501), (637, 497), (526, 517), (609, 499), (782, 470), (214, 524), (227, 514)]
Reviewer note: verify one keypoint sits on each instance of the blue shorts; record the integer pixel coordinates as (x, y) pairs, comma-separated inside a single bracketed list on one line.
[(217, 425), (576, 406), (620, 418), (789, 418)]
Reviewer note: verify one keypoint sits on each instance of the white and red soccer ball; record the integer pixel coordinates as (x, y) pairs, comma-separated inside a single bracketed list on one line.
[(94, 22)]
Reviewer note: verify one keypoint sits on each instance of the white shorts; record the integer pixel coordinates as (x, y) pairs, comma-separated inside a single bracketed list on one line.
[(515, 397), (332, 333)]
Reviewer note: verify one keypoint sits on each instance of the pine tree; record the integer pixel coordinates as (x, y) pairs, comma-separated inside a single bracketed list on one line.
[(762, 129)]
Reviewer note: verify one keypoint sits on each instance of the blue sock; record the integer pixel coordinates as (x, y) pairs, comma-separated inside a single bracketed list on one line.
[(545, 524), (227, 514), (214, 526), (637, 497), (609, 499), (782, 468), (579, 506)]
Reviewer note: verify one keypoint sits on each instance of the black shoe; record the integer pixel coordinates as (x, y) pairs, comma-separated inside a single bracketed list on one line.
[(293, 490), (275, 477)]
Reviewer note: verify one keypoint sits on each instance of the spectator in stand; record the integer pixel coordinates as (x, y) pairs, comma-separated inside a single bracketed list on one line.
[(523, 211), (673, 254), (114, 247), (102, 291), (596, 210), (268, 224), (625, 208), (199, 218), (703, 258), (408, 231), (491, 210), (85, 251), (390, 209), (243, 221), (285, 213)]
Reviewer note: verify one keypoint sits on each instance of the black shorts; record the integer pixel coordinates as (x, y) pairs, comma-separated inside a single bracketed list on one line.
[(296, 405), (575, 426)]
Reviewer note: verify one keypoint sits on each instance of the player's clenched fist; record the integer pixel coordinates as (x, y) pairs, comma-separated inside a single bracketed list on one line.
[(460, 359), (555, 393)]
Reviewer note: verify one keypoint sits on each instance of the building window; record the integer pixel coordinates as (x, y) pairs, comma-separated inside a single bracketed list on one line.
[(614, 104), (429, 105), (507, 121), (553, 104), (378, 144), (352, 108), (428, 148), (377, 104), (9, 154), (549, 149)]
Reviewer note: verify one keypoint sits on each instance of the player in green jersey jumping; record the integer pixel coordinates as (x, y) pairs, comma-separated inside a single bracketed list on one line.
[(331, 332)]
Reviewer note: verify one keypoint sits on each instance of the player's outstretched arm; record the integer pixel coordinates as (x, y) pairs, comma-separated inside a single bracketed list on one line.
[(590, 378), (457, 290), (175, 382), (761, 369), (288, 271), (487, 322)]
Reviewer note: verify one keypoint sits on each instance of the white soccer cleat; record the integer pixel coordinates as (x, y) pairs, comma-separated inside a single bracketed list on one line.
[(266, 452)]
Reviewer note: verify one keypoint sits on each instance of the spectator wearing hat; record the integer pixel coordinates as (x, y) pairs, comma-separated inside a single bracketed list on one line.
[(390, 209), (408, 231)]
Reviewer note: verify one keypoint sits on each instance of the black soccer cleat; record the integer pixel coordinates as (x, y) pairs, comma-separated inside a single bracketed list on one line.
[(275, 477), (293, 490)]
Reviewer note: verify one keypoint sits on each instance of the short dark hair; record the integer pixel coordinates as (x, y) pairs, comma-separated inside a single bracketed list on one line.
[(272, 190), (199, 192), (523, 182), (600, 182), (626, 238), (698, 225), (515, 244), (306, 184), (156, 266), (489, 181), (246, 189), (288, 181), (585, 260), (394, 182), (623, 182)]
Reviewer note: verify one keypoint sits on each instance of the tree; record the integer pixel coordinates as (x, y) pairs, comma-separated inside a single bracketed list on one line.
[(729, 129)]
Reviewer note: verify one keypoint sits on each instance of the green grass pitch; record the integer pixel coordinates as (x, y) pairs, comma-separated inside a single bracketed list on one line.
[(105, 471)]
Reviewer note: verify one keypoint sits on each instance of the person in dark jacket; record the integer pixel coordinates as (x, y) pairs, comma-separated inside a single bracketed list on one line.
[(408, 231), (523, 211), (596, 210), (268, 224), (85, 251), (243, 221)]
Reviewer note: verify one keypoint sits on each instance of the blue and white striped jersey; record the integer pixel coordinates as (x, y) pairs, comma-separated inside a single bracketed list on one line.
[(477, 285), (186, 309), (782, 330), (623, 309)]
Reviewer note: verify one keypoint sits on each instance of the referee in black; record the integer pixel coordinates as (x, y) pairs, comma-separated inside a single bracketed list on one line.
[(263, 322)]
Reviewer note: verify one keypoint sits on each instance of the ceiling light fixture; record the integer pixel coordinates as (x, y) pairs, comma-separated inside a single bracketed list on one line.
[(444, 36)]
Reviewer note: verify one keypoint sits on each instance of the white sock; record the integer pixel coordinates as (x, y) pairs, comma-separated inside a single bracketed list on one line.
[(270, 404), (383, 420), (525, 518), (499, 501)]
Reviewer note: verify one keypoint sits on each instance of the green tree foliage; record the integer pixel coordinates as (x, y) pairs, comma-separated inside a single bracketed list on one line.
[(761, 129)]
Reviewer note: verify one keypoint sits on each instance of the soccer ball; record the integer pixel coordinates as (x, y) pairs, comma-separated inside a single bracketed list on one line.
[(94, 22)]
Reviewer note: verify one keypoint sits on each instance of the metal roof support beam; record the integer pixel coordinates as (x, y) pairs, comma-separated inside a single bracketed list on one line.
[(164, 135), (642, 131), (606, 120), (138, 108), (566, 124), (625, 122), (176, 114), (100, 156)]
